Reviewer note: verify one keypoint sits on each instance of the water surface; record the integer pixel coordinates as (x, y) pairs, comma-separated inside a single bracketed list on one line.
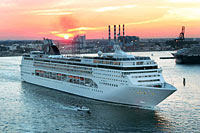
[(26, 107)]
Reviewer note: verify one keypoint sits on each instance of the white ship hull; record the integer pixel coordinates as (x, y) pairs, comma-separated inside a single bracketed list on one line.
[(118, 78), (131, 96)]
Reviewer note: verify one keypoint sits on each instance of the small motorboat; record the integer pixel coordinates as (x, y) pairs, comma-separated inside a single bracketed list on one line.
[(82, 108), (78, 108)]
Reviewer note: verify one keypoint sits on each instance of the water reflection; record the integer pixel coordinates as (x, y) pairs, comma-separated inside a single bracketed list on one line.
[(50, 106), (29, 108)]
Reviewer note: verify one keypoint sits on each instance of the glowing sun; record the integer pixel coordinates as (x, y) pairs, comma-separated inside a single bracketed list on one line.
[(66, 36)]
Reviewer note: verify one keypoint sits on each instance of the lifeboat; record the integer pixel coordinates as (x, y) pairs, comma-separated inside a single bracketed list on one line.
[(59, 74), (41, 71), (76, 77), (81, 78), (70, 76), (37, 71)]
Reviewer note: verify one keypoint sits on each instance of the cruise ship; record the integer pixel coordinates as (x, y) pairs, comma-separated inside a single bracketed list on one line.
[(117, 77)]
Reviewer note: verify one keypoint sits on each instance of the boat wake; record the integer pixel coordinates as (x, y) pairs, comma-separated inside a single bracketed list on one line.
[(76, 108)]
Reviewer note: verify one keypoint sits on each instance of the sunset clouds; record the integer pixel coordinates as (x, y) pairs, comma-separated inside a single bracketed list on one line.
[(51, 12), (103, 9), (184, 1), (58, 18)]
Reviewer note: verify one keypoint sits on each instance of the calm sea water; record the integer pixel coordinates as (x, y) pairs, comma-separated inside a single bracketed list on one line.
[(26, 107)]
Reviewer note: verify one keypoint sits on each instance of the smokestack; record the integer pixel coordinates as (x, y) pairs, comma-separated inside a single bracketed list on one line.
[(119, 31), (115, 33), (123, 30), (109, 37), (123, 35)]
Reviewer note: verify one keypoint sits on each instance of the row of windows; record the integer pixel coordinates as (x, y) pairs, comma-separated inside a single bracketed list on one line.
[(96, 90), (112, 59), (110, 79), (27, 58), (68, 78), (72, 59), (139, 63), (118, 63), (55, 60), (148, 63), (104, 74), (65, 69), (145, 76), (127, 73), (143, 63), (149, 80), (106, 62), (103, 66), (120, 59), (67, 66), (109, 84), (78, 60), (52, 61), (73, 67), (107, 70), (117, 67), (26, 55)]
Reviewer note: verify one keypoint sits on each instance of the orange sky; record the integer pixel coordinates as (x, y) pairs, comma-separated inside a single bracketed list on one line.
[(34, 19)]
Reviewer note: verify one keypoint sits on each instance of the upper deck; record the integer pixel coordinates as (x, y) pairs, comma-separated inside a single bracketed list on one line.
[(137, 63), (118, 60)]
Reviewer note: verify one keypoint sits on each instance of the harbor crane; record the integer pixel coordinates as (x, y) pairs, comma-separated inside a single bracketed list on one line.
[(181, 35)]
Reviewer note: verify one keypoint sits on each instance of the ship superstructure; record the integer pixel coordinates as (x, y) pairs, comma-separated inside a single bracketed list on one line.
[(118, 78)]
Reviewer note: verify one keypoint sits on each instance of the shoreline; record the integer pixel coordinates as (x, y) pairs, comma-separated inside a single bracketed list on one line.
[(20, 54)]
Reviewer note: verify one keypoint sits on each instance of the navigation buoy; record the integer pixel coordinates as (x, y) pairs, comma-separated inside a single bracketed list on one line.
[(184, 81)]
